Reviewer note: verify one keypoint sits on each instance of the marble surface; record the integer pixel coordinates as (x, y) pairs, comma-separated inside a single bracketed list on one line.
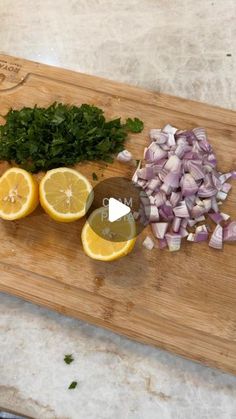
[(181, 47)]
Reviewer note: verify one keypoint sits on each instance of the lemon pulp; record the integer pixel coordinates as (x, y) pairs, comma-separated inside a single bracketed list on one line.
[(65, 194), (105, 240), (18, 194)]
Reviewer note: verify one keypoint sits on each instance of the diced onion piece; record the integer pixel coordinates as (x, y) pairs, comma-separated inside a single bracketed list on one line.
[(173, 164), (190, 237), (169, 129), (181, 210), (200, 133), (225, 217), (216, 240), (173, 241), (189, 186), (124, 156), (221, 196), (226, 187), (216, 217), (148, 243), (183, 232), (159, 229), (230, 232)]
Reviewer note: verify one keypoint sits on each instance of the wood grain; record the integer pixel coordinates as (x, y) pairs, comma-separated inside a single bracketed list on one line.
[(183, 302)]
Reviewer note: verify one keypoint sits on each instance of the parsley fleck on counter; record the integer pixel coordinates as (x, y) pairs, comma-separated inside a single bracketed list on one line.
[(144, 43)]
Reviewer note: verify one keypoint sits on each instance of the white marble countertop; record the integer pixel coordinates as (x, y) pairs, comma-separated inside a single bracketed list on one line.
[(182, 47)]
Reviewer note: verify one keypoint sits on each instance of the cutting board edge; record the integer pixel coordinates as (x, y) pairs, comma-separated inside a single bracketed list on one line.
[(167, 101)]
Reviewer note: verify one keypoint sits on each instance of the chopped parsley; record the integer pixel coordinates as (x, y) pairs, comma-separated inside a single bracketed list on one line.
[(62, 135), (68, 359), (94, 176), (73, 385), (134, 125)]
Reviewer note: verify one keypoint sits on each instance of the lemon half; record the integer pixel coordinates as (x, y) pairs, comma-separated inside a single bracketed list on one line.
[(18, 194), (107, 241), (65, 194)]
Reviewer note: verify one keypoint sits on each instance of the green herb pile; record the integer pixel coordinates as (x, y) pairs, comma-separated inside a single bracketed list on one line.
[(62, 135)]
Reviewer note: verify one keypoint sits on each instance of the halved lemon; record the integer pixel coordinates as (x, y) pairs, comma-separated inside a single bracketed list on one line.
[(65, 194), (105, 240), (18, 194)]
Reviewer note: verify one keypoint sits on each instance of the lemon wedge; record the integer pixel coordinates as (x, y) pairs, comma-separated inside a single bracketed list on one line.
[(105, 240), (18, 194), (65, 194)]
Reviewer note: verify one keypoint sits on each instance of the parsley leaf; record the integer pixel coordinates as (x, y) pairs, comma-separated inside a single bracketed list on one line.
[(134, 125), (73, 385), (94, 176), (62, 135), (68, 359)]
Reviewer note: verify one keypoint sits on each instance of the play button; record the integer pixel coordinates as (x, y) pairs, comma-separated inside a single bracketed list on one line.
[(120, 199), (117, 210)]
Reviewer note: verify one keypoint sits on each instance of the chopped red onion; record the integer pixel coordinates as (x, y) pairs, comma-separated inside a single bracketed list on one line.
[(181, 210), (214, 204), (181, 149), (221, 195), (153, 213), (159, 229), (196, 170), (184, 222), (216, 217), (148, 243), (154, 184), (175, 198), (154, 134), (147, 173), (171, 140), (230, 232), (191, 237), (201, 236), (200, 133), (154, 153), (201, 218), (190, 201), (159, 198), (176, 224), (206, 191), (173, 241), (166, 212), (182, 186), (225, 177), (197, 211), (173, 164), (169, 129), (226, 187), (172, 179), (207, 204), (124, 156), (216, 240), (189, 186), (225, 217), (216, 181), (166, 188), (200, 229), (183, 232)]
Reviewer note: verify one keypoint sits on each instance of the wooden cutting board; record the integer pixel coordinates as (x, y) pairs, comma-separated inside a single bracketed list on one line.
[(184, 302)]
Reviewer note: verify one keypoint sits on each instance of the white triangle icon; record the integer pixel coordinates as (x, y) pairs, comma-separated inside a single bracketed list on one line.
[(116, 210)]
